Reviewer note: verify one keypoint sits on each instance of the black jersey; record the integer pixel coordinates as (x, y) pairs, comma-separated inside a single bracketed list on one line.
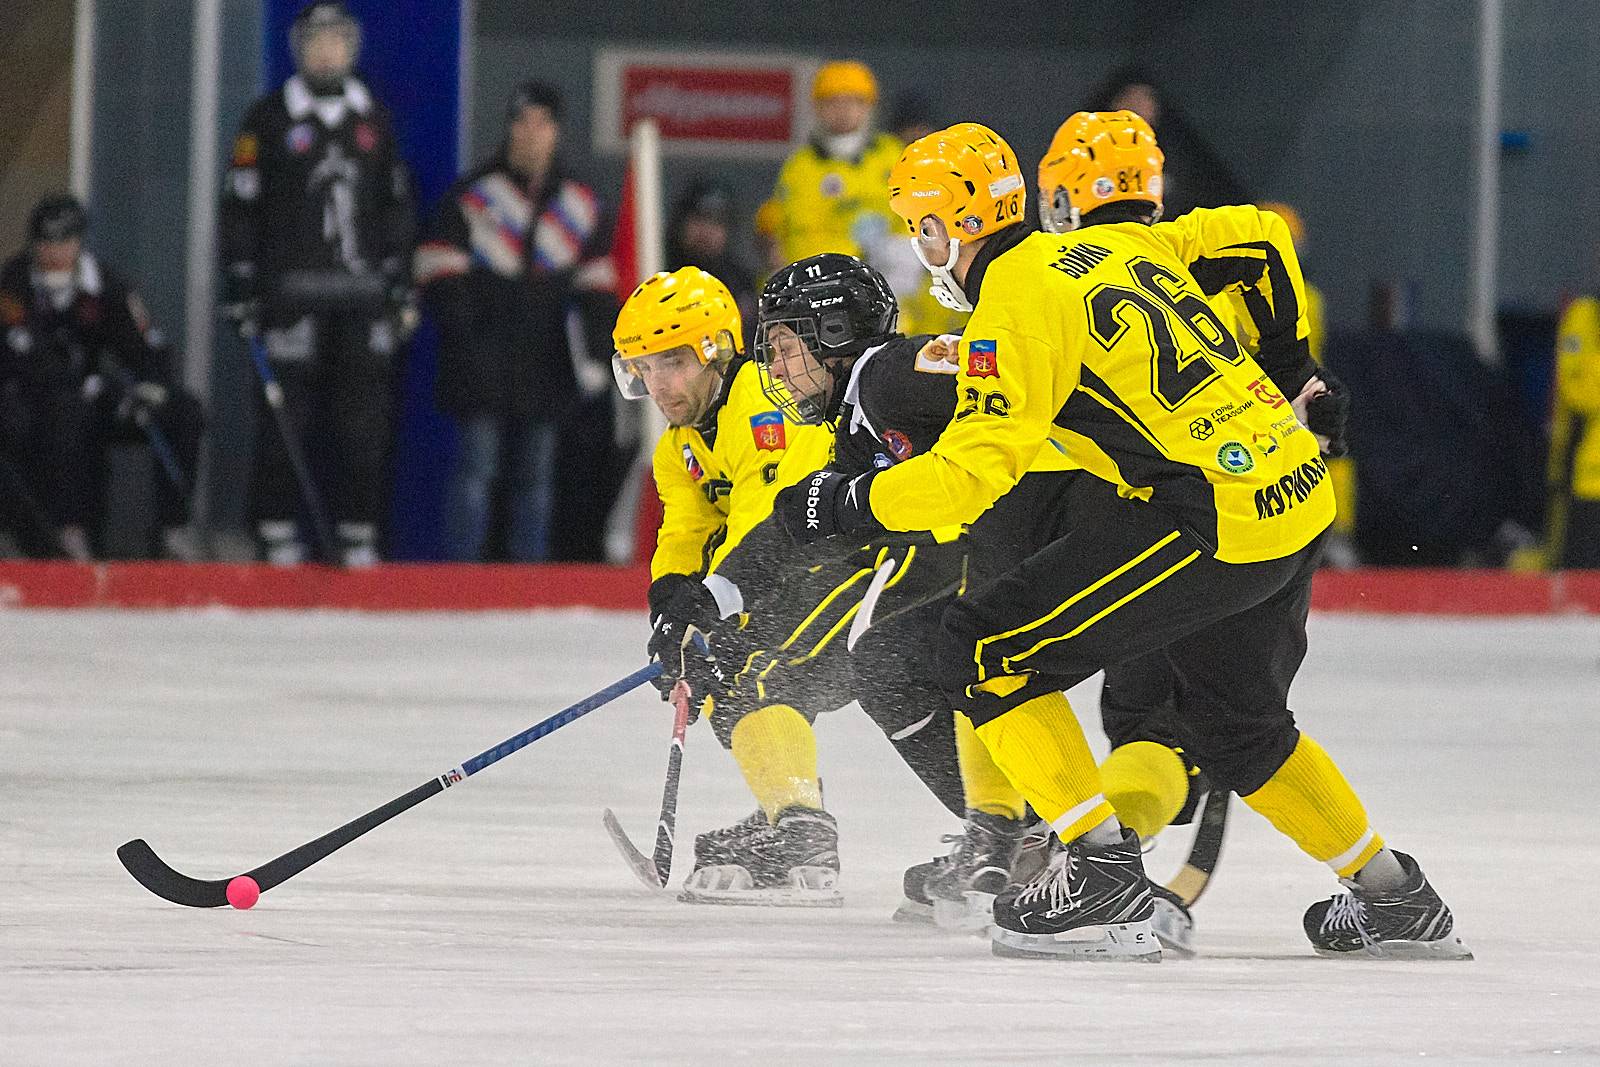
[(897, 401), (318, 202)]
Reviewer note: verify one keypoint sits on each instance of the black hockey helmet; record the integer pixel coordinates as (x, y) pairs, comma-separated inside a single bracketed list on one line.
[(837, 307), (57, 218)]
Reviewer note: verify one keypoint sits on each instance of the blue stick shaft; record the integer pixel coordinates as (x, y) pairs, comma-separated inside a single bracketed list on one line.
[(559, 719)]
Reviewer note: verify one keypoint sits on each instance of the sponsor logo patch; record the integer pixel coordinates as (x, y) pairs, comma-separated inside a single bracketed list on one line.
[(1267, 393), (972, 224), (1201, 428), (1235, 458), (982, 360), (246, 150), (767, 430), (1265, 443), (898, 443), (1104, 187)]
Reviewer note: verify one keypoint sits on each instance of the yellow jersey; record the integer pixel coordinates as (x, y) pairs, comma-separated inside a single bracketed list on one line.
[(1575, 428), (1100, 343), (836, 205), (717, 480)]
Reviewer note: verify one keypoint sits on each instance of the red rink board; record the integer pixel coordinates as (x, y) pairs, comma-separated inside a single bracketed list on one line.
[(491, 587)]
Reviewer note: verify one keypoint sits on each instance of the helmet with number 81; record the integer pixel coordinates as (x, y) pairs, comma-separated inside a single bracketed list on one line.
[(674, 337), (1098, 158), (951, 188)]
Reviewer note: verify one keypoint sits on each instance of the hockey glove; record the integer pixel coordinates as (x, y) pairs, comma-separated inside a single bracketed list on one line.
[(827, 504), (1324, 406), (683, 616)]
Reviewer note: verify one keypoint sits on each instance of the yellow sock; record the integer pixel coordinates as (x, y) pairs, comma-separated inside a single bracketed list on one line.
[(987, 788), (1147, 783), (1309, 801), (1040, 747), (777, 752)]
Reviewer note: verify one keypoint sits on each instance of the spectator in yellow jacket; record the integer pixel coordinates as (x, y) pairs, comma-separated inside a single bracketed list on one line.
[(1575, 438)]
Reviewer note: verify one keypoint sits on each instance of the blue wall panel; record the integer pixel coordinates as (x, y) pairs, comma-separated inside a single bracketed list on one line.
[(411, 58)]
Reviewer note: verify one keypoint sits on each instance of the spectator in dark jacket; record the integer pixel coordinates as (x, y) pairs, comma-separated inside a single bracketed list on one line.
[(1194, 174), (80, 368), (517, 272), (698, 235)]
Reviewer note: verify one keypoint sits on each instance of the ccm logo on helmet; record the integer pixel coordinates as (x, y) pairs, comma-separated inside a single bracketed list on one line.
[(829, 302)]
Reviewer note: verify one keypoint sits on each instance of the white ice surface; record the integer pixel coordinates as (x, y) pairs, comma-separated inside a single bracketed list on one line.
[(496, 924)]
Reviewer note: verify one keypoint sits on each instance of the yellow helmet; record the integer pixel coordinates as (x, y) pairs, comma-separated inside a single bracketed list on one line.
[(1097, 158), (686, 309), (846, 77), (965, 176)]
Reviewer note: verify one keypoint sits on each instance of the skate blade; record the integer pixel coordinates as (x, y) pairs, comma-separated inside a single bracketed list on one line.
[(1173, 929), (914, 913), (1133, 942), (731, 885), (1446, 948), (973, 914)]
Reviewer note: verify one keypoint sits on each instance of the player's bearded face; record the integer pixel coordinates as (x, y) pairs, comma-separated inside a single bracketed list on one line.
[(681, 386)]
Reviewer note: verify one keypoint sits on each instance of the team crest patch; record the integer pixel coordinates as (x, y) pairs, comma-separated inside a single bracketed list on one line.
[(692, 465), (1235, 458), (767, 429), (898, 443), (299, 138), (246, 150), (366, 137), (982, 360)]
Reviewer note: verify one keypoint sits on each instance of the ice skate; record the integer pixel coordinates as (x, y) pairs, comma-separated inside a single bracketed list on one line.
[(793, 863), (979, 868), (916, 906), (1413, 924), (1172, 922), (1092, 902)]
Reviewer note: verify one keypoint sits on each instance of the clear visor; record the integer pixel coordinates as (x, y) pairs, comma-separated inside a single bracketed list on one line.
[(634, 374), (792, 376)]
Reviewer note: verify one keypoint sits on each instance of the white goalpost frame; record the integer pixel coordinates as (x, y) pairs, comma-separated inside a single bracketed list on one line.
[(81, 130), (1484, 252), (639, 420)]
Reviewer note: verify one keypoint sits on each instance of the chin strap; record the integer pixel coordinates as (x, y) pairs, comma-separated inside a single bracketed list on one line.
[(945, 289)]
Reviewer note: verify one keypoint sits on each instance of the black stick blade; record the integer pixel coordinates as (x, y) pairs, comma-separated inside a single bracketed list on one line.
[(152, 872), (642, 866)]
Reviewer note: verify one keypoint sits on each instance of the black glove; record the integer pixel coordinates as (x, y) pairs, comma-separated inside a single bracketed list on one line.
[(827, 504), (1326, 414), (683, 618)]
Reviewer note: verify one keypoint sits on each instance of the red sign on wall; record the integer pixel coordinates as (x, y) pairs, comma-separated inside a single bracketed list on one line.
[(707, 104), (703, 103)]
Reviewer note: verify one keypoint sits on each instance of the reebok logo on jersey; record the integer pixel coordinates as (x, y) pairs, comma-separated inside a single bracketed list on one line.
[(1291, 489), (982, 360), (767, 429)]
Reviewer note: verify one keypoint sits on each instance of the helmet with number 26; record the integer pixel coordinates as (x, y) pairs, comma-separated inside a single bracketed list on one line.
[(1098, 158), (967, 178)]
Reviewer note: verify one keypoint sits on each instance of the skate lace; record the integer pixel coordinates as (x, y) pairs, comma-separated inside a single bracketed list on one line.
[(1053, 886), (1347, 912)]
